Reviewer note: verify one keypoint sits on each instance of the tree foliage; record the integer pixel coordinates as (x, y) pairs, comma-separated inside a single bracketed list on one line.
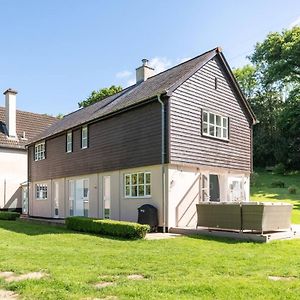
[(272, 86), (99, 95)]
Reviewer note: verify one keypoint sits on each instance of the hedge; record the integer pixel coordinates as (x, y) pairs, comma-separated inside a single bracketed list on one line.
[(9, 215), (128, 230)]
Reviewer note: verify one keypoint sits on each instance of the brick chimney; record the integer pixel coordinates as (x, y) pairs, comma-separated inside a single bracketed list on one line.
[(10, 112), (144, 72)]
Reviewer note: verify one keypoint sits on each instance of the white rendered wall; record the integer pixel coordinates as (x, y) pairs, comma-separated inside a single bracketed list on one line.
[(13, 172), (184, 186)]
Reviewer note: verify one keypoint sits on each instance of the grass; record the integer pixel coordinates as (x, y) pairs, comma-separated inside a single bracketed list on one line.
[(180, 268), (264, 192)]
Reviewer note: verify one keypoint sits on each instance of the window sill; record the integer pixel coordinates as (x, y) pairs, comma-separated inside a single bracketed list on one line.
[(215, 138)]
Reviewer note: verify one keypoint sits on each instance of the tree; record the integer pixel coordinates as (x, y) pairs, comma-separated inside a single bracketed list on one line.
[(278, 57), (272, 86), (246, 76), (99, 95)]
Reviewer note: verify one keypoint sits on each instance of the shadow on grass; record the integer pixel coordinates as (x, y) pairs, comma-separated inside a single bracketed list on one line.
[(218, 239), (33, 228)]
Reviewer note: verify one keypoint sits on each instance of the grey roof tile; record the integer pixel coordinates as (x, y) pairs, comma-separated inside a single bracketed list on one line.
[(163, 82)]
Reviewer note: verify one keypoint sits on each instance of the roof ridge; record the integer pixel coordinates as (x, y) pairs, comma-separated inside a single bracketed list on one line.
[(32, 113), (184, 62)]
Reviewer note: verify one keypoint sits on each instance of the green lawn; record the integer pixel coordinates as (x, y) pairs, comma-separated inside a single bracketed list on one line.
[(264, 191), (180, 268)]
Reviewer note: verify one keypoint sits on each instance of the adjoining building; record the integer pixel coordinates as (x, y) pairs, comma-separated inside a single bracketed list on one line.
[(17, 128)]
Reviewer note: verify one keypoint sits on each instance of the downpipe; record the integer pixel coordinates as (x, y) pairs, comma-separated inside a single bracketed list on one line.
[(163, 160)]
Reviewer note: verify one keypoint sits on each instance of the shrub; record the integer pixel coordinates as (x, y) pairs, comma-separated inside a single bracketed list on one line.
[(8, 215), (292, 189), (277, 183), (279, 169), (128, 230)]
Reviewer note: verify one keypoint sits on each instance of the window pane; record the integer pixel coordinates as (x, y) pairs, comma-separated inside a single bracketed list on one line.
[(141, 190), (148, 190), (134, 179), (127, 179), (134, 191), (219, 131), (211, 118), (141, 178), (148, 177), (218, 120), (127, 191), (225, 122), (211, 130), (205, 128), (225, 133), (205, 117)]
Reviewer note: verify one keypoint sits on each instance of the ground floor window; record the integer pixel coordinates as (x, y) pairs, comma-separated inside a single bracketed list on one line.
[(138, 185), (41, 191)]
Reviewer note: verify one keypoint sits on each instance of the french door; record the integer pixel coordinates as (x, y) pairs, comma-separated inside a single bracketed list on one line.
[(79, 197), (106, 197)]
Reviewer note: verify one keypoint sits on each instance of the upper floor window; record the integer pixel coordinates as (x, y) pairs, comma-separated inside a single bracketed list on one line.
[(41, 191), (69, 141), (138, 185), (84, 137), (39, 151), (214, 125)]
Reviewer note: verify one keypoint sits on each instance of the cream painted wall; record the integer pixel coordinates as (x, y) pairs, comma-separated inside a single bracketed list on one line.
[(13, 171), (121, 208), (184, 191), (129, 206), (40, 208)]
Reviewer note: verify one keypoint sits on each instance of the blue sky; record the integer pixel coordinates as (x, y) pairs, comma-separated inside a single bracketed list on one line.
[(56, 52)]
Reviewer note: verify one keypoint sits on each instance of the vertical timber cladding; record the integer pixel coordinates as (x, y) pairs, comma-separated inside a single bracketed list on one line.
[(187, 145), (126, 140)]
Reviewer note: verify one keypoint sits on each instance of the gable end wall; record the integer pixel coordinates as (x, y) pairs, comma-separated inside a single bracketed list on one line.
[(187, 145)]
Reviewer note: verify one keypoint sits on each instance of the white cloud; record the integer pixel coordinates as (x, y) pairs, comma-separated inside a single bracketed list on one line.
[(295, 23), (123, 74), (181, 60), (159, 64), (131, 81)]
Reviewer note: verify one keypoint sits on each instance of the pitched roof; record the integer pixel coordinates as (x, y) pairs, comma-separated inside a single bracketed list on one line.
[(30, 123), (163, 83)]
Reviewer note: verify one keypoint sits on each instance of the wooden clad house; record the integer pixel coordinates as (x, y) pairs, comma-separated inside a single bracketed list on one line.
[(171, 140), (17, 128)]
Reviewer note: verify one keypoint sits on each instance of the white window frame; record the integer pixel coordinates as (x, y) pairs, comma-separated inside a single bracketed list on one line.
[(41, 191), (130, 186), (222, 126), (69, 141), (39, 151), (84, 137)]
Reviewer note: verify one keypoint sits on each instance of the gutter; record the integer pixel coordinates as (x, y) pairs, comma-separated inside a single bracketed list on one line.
[(163, 160)]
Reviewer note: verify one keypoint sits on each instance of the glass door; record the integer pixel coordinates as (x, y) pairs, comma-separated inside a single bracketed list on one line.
[(24, 199), (106, 197), (56, 199)]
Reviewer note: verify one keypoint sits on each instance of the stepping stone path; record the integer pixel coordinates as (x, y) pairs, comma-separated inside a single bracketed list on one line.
[(278, 278), (7, 295), (101, 285), (136, 277), (11, 277)]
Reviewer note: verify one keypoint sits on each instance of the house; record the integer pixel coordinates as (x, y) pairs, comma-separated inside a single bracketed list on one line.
[(170, 140), (16, 129)]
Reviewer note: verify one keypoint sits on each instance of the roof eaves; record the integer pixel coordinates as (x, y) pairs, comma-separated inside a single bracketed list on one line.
[(228, 69)]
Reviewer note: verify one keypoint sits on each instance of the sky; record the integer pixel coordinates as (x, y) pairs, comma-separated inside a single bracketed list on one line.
[(54, 53)]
